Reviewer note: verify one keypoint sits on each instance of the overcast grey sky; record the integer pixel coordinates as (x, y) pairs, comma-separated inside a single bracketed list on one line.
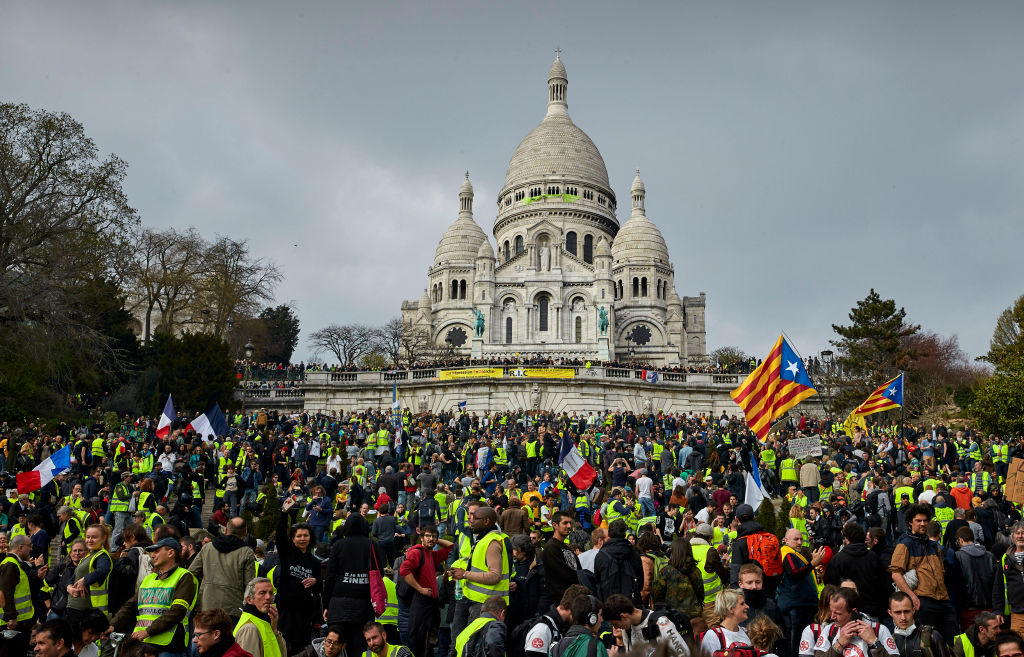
[(795, 154)]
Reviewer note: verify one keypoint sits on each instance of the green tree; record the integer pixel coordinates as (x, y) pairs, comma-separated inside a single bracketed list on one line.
[(196, 368), (726, 356), (998, 400), (64, 218), (873, 347), (282, 333)]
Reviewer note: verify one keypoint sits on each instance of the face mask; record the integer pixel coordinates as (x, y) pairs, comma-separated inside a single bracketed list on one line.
[(907, 632), (754, 597)]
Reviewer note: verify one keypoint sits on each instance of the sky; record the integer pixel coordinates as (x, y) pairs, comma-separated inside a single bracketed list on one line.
[(795, 154)]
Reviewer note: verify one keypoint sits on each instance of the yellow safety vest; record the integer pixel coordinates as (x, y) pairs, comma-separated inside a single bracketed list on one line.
[(471, 629), (966, 647), (392, 652), (477, 592), (787, 471), (97, 449), (119, 502), (390, 615), (22, 592), (712, 582), (155, 597), (98, 590), (271, 647)]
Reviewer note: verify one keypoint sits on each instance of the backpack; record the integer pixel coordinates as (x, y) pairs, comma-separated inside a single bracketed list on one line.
[(587, 579), (619, 578), (678, 618), (734, 650), (516, 646), (426, 512), (402, 588), (764, 549)]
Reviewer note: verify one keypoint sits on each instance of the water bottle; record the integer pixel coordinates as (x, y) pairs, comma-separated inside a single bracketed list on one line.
[(458, 589)]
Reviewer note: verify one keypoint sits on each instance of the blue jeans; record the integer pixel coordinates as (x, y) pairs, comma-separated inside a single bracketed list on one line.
[(320, 533), (647, 505)]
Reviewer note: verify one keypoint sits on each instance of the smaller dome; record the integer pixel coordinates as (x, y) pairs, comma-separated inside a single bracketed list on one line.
[(640, 241), (460, 243), (485, 250), (467, 187), (424, 300), (602, 249), (557, 69), (638, 185)]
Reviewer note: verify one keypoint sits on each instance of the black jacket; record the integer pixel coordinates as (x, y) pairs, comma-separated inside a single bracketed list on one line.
[(615, 559), (855, 561), (1008, 585), (977, 574)]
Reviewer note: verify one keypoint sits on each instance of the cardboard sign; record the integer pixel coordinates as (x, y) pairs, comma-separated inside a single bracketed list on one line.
[(1014, 489), (801, 448)]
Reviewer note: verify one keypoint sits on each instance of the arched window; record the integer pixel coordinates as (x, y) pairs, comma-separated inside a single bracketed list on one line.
[(507, 252), (579, 330), (570, 242), (643, 286), (462, 289), (588, 249), (483, 295), (636, 286), (542, 312), (508, 330), (519, 244), (455, 290)]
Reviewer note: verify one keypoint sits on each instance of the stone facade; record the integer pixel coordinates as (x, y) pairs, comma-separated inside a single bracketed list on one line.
[(566, 281)]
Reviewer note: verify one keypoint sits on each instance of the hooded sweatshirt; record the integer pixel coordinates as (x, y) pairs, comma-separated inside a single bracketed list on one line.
[(615, 557), (224, 566), (979, 572), (347, 585)]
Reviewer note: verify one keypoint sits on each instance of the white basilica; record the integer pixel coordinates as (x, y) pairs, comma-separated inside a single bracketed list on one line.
[(567, 281)]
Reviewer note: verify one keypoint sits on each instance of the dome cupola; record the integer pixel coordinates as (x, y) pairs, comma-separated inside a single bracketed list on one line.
[(461, 242)]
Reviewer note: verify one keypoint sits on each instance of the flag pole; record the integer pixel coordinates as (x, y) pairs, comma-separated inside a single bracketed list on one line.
[(903, 389)]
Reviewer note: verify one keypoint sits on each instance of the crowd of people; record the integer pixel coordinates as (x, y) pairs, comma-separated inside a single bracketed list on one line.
[(460, 535)]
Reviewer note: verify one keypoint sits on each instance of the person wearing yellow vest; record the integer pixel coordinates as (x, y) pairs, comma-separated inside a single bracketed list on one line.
[(979, 638), (377, 643), (117, 511), (486, 634), (488, 572), (89, 590), (256, 631), (71, 528), (797, 593), (160, 608), (709, 563), (15, 571)]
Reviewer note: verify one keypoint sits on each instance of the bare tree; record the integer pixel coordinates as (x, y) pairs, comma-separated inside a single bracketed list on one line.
[(387, 340), (347, 343), (232, 282), (163, 274), (416, 344)]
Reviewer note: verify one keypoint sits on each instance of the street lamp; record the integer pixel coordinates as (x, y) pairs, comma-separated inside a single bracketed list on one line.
[(826, 357), (249, 349)]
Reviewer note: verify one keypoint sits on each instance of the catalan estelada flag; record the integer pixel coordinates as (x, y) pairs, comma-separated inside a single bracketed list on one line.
[(777, 385), (888, 395)]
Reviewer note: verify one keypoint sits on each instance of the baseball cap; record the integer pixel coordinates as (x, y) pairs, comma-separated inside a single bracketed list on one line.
[(744, 511), (168, 542)]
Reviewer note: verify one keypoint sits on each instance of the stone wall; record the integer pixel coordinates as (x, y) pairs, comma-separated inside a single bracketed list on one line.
[(592, 389)]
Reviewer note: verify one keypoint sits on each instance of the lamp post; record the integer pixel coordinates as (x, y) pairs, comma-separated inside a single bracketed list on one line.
[(249, 349), (826, 357)]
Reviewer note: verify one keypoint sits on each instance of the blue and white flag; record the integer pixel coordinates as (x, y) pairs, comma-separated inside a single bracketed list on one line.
[(756, 492)]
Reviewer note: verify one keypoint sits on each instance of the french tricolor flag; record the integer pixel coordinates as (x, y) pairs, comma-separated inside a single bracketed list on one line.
[(210, 424), (580, 472), (59, 462), (163, 429)]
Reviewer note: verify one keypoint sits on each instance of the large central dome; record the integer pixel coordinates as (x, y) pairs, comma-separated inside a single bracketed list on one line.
[(556, 147)]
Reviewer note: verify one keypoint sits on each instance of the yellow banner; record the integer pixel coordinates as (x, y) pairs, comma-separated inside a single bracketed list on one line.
[(542, 373), (471, 373)]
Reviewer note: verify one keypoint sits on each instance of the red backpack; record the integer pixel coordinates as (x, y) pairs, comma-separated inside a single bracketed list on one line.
[(734, 650), (764, 549)]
